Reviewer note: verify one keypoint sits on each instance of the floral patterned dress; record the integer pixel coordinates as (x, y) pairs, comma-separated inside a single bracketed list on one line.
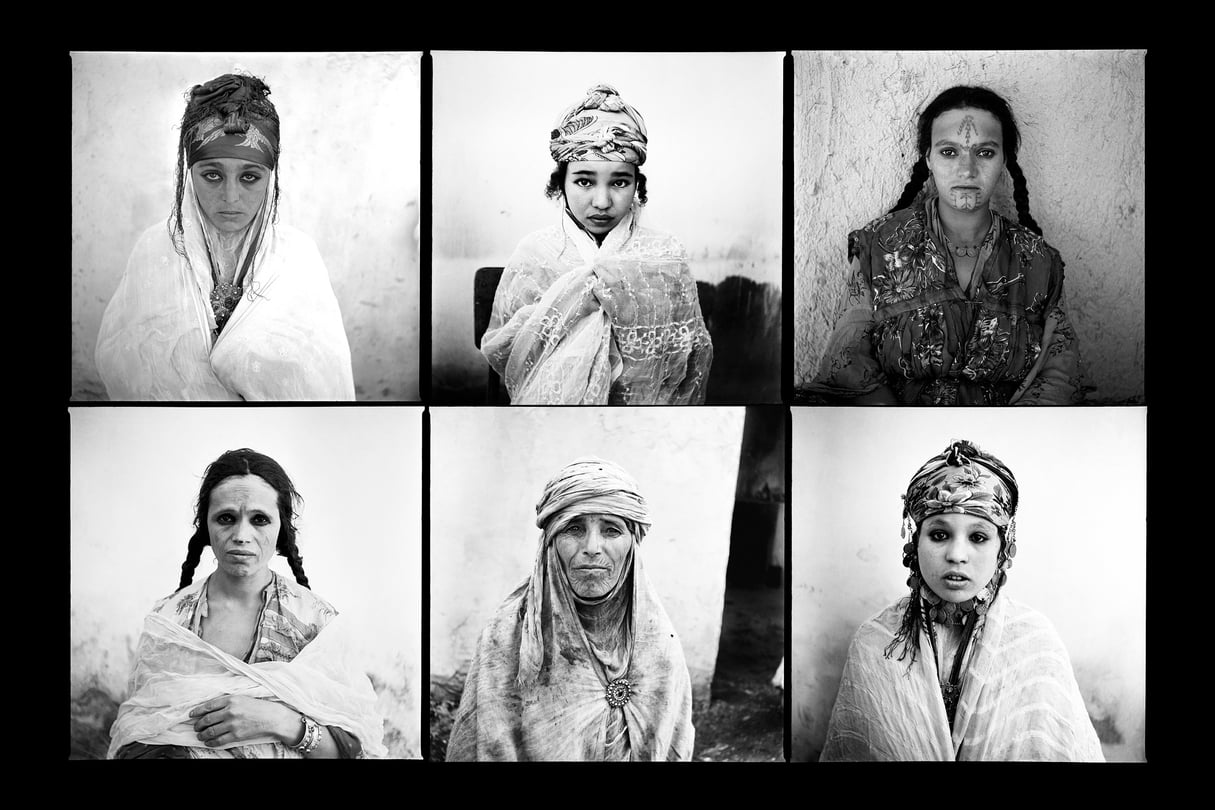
[(907, 323)]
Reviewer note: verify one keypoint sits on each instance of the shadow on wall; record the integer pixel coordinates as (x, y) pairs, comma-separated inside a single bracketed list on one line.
[(743, 318)]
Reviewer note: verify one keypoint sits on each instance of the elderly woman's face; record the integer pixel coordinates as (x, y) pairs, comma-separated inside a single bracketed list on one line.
[(600, 192), (594, 550), (243, 523), (958, 554), (230, 191), (966, 157)]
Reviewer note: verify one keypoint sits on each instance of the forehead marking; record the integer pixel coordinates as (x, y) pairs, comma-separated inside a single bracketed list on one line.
[(967, 129)]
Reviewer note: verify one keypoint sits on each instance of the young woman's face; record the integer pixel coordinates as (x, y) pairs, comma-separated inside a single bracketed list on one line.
[(599, 192), (594, 550), (966, 157), (230, 191), (243, 523), (958, 555)]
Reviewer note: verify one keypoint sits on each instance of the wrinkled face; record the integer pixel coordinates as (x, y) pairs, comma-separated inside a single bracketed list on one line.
[(966, 157), (958, 555), (599, 193), (594, 550), (243, 523), (230, 191)]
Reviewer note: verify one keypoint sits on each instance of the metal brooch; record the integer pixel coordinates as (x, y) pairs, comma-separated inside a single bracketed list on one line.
[(619, 692)]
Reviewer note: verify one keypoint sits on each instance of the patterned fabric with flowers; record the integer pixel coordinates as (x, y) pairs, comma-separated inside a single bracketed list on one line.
[(968, 489), (908, 325)]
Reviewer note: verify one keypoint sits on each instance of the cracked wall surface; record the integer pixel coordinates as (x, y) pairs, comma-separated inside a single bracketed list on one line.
[(1081, 116)]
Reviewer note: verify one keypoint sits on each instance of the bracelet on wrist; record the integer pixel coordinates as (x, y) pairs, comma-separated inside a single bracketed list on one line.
[(311, 738)]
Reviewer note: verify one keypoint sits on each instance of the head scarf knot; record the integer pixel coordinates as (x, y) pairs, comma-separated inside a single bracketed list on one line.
[(591, 486), (243, 123), (600, 127), (964, 480)]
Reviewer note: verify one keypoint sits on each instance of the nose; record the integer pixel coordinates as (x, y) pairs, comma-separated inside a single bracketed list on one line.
[(601, 199), (968, 165), (594, 541), (232, 189), (243, 533), (956, 551)]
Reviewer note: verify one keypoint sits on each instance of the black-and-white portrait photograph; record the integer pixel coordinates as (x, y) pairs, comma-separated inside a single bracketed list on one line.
[(607, 228), (969, 227), (246, 583), (607, 584), (960, 594), (245, 226)]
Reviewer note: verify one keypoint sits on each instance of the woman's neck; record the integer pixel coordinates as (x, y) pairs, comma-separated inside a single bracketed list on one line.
[(239, 589), (964, 227)]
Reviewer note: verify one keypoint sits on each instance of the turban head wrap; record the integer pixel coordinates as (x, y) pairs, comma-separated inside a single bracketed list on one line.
[(962, 480), (591, 486), (237, 121), (600, 127)]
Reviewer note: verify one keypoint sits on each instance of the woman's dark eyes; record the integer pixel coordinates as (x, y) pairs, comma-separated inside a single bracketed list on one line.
[(251, 178), (978, 538), (938, 536), (211, 177)]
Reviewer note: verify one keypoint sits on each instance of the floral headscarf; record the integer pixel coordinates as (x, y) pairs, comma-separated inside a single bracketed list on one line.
[(600, 127), (962, 480)]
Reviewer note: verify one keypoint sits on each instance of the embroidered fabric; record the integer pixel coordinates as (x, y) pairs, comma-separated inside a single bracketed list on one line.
[(577, 323), (1019, 697), (283, 340), (907, 324)]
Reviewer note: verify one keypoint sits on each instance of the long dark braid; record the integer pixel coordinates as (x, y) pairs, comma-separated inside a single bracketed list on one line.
[(1021, 196), (198, 111), (240, 463), (919, 176), (979, 98)]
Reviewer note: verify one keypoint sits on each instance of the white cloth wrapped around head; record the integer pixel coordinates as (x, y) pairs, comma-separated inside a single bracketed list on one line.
[(591, 486)]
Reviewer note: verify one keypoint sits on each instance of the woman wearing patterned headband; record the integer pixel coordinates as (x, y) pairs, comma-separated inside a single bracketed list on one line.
[(598, 309), (229, 304), (959, 670), (948, 302), (581, 661), (245, 664)]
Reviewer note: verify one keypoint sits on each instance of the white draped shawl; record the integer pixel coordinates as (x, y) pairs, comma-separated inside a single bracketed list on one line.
[(175, 670), (644, 340), (283, 341), (1019, 700), (563, 714)]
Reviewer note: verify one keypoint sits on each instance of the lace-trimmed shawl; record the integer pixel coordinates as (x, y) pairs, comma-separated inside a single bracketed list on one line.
[(644, 340), (1019, 699), (284, 339)]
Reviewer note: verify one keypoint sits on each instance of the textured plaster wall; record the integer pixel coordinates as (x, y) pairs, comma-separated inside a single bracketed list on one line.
[(348, 177), (714, 168), (135, 474), (1081, 544), (489, 467), (1081, 116)]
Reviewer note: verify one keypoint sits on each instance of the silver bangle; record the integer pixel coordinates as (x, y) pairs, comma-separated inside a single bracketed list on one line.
[(311, 738)]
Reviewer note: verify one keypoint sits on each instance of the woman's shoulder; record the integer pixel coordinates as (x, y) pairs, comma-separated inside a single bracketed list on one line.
[(1025, 243), (894, 220), (881, 626), (303, 602), (180, 604), (1024, 618)]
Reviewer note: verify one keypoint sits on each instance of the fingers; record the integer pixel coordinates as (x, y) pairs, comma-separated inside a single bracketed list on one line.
[(217, 735), (211, 705)]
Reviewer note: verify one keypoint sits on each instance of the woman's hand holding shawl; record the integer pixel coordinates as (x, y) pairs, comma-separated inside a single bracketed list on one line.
[(238, 718)]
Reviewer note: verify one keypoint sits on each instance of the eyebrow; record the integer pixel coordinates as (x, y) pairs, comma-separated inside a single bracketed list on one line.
[(948, 142)]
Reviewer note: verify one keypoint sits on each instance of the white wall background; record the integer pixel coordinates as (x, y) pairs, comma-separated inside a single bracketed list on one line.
[(1081, 116), (135, 474), (348, 177), (489, 467), (713, 168), (1081, 542)]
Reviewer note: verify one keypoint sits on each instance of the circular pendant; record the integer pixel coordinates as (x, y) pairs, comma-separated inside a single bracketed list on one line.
[(619, 692)]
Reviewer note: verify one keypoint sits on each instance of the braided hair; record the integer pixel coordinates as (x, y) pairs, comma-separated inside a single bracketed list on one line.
[(203, 103), (979, 98), (239, 463)]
